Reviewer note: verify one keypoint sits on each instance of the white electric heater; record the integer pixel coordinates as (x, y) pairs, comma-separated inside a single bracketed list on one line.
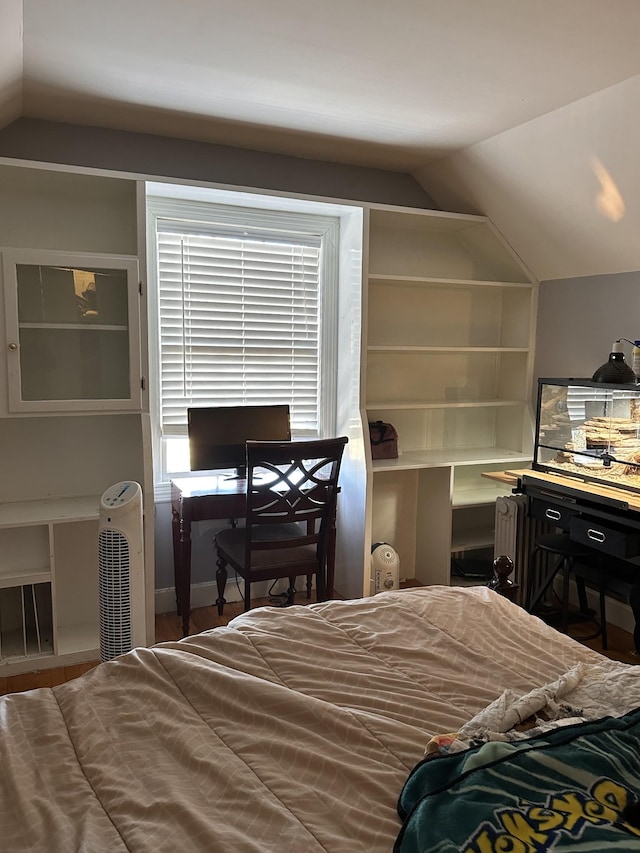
[(121, 570), (385, 567)]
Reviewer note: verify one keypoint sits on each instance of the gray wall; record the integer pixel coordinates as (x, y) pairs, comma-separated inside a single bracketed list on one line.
[(203, 566), (579, 319), (159, 156)]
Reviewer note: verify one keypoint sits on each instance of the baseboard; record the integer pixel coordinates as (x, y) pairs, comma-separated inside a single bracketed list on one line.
[(618, 612), (202, 595)]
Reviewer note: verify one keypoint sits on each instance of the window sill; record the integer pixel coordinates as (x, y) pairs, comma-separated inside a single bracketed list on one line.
[(162, 492)]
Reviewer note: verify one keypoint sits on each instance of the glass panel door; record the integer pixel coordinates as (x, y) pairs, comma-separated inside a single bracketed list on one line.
[(74, 340)]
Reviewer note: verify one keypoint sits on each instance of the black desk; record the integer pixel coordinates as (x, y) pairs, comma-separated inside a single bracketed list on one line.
[(204, 498), (605, 520)]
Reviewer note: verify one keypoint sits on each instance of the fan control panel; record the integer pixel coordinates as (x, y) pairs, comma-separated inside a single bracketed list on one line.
[(120, 493)]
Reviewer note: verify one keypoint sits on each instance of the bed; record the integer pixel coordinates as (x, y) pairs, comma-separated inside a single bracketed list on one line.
[(292, 729)]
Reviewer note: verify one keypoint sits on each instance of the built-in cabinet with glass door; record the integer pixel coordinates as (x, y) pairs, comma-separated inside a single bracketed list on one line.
[(449, 360), (72, 406), (72, 328)]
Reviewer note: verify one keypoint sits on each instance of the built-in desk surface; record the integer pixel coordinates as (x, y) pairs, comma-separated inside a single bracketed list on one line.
[(591, 491)]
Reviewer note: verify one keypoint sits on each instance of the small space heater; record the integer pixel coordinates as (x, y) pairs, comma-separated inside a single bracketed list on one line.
[(121, 570), (385, 567)]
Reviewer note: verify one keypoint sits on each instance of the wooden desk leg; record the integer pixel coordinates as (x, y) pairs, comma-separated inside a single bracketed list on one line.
[(175, 531), (181, 526), (329, 578), (221, 582), (634, 601)]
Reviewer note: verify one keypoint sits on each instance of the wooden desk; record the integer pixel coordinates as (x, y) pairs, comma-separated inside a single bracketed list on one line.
[(205, 498), (199, 498)]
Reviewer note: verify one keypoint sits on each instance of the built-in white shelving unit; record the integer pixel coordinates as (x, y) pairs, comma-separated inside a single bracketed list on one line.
[(450, 327), (43, 594), (73, 411)]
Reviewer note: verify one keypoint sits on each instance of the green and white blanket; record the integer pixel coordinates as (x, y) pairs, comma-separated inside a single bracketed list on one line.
[(574, 786)]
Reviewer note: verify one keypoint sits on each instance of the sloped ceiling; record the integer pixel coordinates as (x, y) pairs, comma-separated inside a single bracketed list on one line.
[(564, 188), (521, 109)]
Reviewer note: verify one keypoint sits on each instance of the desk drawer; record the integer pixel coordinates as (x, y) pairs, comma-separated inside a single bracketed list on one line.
[(558, 514), (617, 541)]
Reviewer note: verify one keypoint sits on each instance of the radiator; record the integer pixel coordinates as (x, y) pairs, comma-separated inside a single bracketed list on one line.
[(515, 536)]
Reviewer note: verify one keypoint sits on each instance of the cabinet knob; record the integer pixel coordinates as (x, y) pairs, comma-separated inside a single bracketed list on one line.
[(13, 346)]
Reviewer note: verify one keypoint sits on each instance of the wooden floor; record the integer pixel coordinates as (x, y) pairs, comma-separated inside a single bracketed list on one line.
[(619, 642), (168, 628)]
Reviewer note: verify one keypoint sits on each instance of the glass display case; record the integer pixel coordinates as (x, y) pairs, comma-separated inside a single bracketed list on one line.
[(589, 430)]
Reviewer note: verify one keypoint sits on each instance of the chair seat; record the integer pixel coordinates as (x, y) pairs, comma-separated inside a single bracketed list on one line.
[(579, 560), (562, 545), (232, 542)]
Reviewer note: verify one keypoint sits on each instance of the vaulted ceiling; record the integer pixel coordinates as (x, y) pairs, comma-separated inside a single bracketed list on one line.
[(474, 97)]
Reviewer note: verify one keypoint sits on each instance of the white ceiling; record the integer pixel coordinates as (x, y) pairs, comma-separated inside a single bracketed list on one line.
[(392, 85)]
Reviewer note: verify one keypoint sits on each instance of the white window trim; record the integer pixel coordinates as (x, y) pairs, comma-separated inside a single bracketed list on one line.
[(327, 227)]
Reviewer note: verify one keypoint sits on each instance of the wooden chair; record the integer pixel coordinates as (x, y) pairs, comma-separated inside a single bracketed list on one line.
[(289, 529)]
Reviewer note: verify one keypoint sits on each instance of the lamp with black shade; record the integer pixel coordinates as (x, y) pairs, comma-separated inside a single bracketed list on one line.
[(615, 370)]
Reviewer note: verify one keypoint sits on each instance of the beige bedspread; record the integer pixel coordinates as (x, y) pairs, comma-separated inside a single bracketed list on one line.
[(290, 730)]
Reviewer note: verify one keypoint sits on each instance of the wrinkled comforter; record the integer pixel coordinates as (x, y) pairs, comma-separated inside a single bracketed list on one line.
[(289, 730)]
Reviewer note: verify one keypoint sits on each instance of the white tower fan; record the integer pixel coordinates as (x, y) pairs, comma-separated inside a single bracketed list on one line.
[(121, 570), (385, 567)]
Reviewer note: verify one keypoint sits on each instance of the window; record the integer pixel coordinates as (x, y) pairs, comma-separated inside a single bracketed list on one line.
[(246, 315)]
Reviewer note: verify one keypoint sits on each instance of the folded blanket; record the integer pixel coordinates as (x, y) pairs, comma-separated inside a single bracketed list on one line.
[(576, 787)]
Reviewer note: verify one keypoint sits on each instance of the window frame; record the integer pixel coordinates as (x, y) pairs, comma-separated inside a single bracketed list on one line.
[(322, 225)]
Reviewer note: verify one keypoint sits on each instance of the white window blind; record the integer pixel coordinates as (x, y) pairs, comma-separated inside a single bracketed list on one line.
[(239, 317)]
